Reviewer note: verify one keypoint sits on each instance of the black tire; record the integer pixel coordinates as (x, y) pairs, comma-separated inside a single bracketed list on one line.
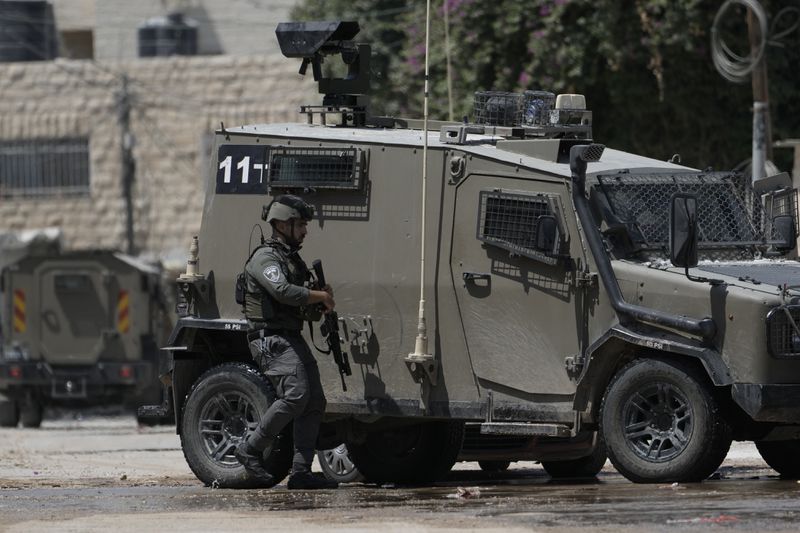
[(223, 406), (661, 423), (418, 453), (337, 465), (782, 455), (30, 414), (582, 467), (494, 466), (9, 413)]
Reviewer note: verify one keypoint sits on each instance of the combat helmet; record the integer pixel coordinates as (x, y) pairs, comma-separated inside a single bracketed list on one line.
[(287, 207)]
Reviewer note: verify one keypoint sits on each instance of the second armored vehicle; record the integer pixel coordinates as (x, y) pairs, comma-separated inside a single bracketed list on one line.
[(78, 327)]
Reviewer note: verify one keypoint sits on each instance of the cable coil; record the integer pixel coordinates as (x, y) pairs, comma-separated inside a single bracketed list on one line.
[(732, 66)]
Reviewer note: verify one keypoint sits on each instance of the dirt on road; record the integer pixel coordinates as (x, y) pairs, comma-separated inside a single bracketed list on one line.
[(100, 471)]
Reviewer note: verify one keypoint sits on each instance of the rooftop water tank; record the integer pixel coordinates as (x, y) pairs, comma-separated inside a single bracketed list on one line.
[(168, 36), (27, 31)]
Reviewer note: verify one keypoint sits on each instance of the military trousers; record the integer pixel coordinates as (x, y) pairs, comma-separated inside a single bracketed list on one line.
[(290, 366)]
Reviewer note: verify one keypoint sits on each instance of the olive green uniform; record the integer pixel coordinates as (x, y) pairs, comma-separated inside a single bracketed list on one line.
[(275, 301)]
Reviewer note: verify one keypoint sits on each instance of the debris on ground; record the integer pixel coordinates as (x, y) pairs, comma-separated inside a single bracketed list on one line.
[(721, 519), (674, 486), (466, 493)]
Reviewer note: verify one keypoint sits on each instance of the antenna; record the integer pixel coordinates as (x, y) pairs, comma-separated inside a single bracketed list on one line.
[(421, 363)]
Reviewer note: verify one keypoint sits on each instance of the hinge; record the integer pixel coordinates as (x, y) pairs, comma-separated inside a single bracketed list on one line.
[(574, 365), (585, 279)]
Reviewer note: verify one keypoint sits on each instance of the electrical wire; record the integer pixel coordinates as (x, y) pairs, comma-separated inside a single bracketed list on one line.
[(165, 145), (775, 36), (148, 93), (732, 66)]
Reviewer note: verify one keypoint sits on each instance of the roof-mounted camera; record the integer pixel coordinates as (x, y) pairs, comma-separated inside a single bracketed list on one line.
[(312, 41)]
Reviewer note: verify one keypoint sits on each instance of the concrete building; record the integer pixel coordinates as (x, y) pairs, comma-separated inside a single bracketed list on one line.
[(62, 123)]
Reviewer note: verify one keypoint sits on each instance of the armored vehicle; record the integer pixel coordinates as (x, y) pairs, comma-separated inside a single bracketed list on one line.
[(578, 297), (78, 327)]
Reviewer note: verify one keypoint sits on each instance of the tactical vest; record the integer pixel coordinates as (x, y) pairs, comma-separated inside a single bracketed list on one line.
[(259, 307)]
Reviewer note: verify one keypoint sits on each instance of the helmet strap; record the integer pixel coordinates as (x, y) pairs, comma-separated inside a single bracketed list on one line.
[(288, 239)]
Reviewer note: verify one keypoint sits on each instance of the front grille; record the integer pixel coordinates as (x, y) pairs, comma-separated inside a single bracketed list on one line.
[(783, 338)]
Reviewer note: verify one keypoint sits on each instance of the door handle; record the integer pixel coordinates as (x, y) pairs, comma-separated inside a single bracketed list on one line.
[(475, 276)]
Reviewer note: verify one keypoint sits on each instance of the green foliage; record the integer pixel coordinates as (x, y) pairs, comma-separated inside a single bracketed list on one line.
[(644, 65)]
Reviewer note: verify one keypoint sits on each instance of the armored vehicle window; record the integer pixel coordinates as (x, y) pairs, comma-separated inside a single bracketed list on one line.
[(730, 215), (523, 223), (44, 167), (72, 283), (321, 168)]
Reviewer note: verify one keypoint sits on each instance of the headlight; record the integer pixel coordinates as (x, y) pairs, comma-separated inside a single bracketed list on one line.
[(783, 338)]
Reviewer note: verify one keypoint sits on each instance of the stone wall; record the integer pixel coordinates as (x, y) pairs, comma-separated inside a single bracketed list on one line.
[(176, 104)]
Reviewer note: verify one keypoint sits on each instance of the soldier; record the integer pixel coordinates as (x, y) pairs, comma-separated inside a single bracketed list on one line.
[(276, 304)]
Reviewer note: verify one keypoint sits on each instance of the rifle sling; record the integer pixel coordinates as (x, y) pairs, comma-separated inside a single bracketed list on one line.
[(313, 342)]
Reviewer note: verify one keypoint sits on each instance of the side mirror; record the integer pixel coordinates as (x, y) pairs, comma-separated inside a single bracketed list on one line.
[(546, 233), (784, 232), (683, 230)]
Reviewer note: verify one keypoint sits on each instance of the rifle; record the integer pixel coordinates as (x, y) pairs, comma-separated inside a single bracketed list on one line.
[(330, 330)]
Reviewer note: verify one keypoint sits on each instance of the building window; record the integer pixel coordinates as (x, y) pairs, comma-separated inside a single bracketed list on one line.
[(44, 167), (77, 44)]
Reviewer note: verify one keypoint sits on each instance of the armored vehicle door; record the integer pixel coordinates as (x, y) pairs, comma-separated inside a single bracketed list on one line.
[(510, 267), (76, 312)]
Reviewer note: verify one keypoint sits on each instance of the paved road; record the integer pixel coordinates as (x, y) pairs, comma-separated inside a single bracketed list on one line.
[(102, 472)]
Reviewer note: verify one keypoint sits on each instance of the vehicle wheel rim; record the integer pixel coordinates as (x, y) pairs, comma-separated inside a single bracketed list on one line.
[(658, 422), (338, 459), (226, 419)]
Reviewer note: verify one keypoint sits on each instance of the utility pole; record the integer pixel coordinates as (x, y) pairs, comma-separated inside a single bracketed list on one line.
[(126, 158), (762, 130)]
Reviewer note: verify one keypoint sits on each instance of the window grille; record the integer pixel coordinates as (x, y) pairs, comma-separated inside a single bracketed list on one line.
[(782, 338), (729, 214), (509, 221), (44, 167), (318, 168)]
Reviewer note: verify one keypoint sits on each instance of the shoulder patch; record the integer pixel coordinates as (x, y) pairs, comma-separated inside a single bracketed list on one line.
[(272, 273)]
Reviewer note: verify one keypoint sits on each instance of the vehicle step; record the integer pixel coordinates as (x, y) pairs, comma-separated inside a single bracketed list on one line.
[(152, 411), (524, 428)]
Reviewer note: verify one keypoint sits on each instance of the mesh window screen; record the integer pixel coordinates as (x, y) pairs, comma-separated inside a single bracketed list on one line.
[(509, 220), (729, 214), (321, 168)]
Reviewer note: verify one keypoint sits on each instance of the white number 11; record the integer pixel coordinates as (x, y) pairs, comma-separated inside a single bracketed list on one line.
[(244, 165)]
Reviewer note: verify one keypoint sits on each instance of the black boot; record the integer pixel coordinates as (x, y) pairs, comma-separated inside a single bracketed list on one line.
[(305, 480), (251, 461)]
